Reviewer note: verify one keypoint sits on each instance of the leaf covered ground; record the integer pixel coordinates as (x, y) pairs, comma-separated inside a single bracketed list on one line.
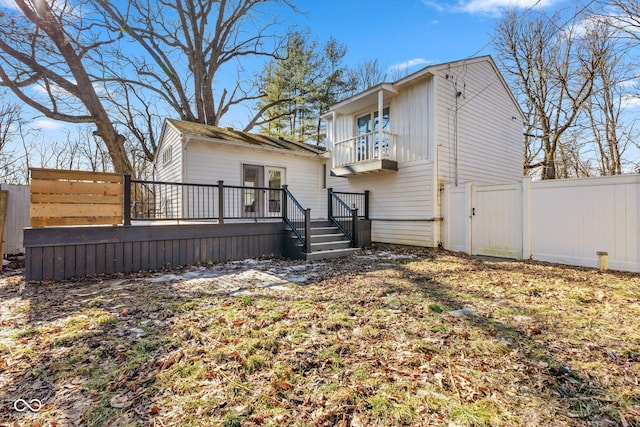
[(392, 336)]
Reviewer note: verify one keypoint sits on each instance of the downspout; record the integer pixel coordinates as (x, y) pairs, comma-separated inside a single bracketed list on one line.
[(438, 235)]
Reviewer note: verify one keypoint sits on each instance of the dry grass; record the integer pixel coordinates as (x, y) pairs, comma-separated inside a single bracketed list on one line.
[(367, 341)]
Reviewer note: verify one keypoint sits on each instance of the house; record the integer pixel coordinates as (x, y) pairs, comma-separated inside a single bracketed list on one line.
[(197, 153), (454, 122)]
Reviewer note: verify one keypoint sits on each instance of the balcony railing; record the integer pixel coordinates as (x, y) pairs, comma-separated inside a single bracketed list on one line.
[(363, 148)]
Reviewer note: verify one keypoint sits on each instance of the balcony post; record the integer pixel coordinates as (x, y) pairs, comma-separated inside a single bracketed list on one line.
[(333, 139), (380, 126)]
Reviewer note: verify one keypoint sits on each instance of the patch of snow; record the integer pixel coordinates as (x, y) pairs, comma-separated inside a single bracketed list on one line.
[(139, 332), (164, 278), (464, 312), (375, 255)]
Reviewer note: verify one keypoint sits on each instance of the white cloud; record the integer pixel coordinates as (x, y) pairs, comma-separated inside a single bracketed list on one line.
[(45, 124), (405, 66), (630, 101), (489, 7), (9, 4), (494, 6)]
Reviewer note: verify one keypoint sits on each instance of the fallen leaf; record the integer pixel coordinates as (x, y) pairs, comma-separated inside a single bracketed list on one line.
[(281, 384)]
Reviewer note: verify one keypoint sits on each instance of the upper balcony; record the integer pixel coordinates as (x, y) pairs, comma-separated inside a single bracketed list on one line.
[(365, 153)]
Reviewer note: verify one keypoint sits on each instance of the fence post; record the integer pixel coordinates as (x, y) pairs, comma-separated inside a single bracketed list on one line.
[(307, 230), (329, 203), (127, 200), (354, 227), (366, 204), (285, 201), (221, 202)]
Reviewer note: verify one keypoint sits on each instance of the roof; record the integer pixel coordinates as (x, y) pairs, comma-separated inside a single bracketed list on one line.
[(204, 132), (355, 102)]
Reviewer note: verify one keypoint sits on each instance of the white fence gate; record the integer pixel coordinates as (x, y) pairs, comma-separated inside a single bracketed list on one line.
[(484, 220), (17, 217), (566, 221)]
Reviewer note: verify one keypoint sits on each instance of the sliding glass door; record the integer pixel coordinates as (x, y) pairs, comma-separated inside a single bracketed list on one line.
[(261, 202)]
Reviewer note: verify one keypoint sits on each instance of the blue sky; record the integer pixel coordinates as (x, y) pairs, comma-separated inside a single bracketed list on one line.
[(401, 33), (398, 32)]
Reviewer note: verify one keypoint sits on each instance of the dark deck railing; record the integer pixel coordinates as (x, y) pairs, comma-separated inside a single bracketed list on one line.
[(176, 201), (298, 218), (344, 210)]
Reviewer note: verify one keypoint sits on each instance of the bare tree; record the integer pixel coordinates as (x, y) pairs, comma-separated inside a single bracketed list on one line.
[(46, 46), (11, 126), (365, 75), (605, 107), (625, 17), (553, 75), (10, 118), (186, 45)]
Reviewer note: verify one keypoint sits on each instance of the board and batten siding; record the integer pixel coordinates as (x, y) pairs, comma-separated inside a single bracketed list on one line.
[(488, 126), (208, 163), (411, 121), (400, 203)]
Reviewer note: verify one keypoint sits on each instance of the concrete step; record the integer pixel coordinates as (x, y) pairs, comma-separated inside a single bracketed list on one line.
[(333, 253)]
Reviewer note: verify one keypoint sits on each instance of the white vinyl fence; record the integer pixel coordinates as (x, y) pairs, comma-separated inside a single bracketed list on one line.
[(564, 221), (17, 217)]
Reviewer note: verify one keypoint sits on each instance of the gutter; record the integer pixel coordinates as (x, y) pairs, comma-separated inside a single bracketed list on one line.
[(435, 219), (239, 144)]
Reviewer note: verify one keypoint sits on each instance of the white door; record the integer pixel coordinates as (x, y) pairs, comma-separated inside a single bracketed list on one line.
[(496, 221)]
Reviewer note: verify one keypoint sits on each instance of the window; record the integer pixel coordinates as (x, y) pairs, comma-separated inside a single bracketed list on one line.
[(167, 155), (368, 145)]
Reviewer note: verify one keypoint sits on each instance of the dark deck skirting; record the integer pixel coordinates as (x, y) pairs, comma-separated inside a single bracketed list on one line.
[(60, 253)]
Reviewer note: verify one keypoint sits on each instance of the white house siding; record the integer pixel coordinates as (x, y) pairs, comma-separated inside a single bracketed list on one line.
[(209, 163), (170, 171), (488, 126), (488, 131), (410, 121), (400, 204), (410, 113)]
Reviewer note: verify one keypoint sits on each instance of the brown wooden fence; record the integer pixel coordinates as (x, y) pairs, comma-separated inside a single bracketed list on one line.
[(61, 197)]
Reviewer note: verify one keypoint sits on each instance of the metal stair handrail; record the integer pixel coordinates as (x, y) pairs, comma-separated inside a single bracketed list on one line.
[(298, 215)]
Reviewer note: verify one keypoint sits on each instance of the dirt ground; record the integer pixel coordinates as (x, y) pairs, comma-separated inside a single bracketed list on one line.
[(391, 336)]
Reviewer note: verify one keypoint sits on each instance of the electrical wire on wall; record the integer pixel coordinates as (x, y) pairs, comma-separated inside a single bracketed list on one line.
[(453, 78)]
